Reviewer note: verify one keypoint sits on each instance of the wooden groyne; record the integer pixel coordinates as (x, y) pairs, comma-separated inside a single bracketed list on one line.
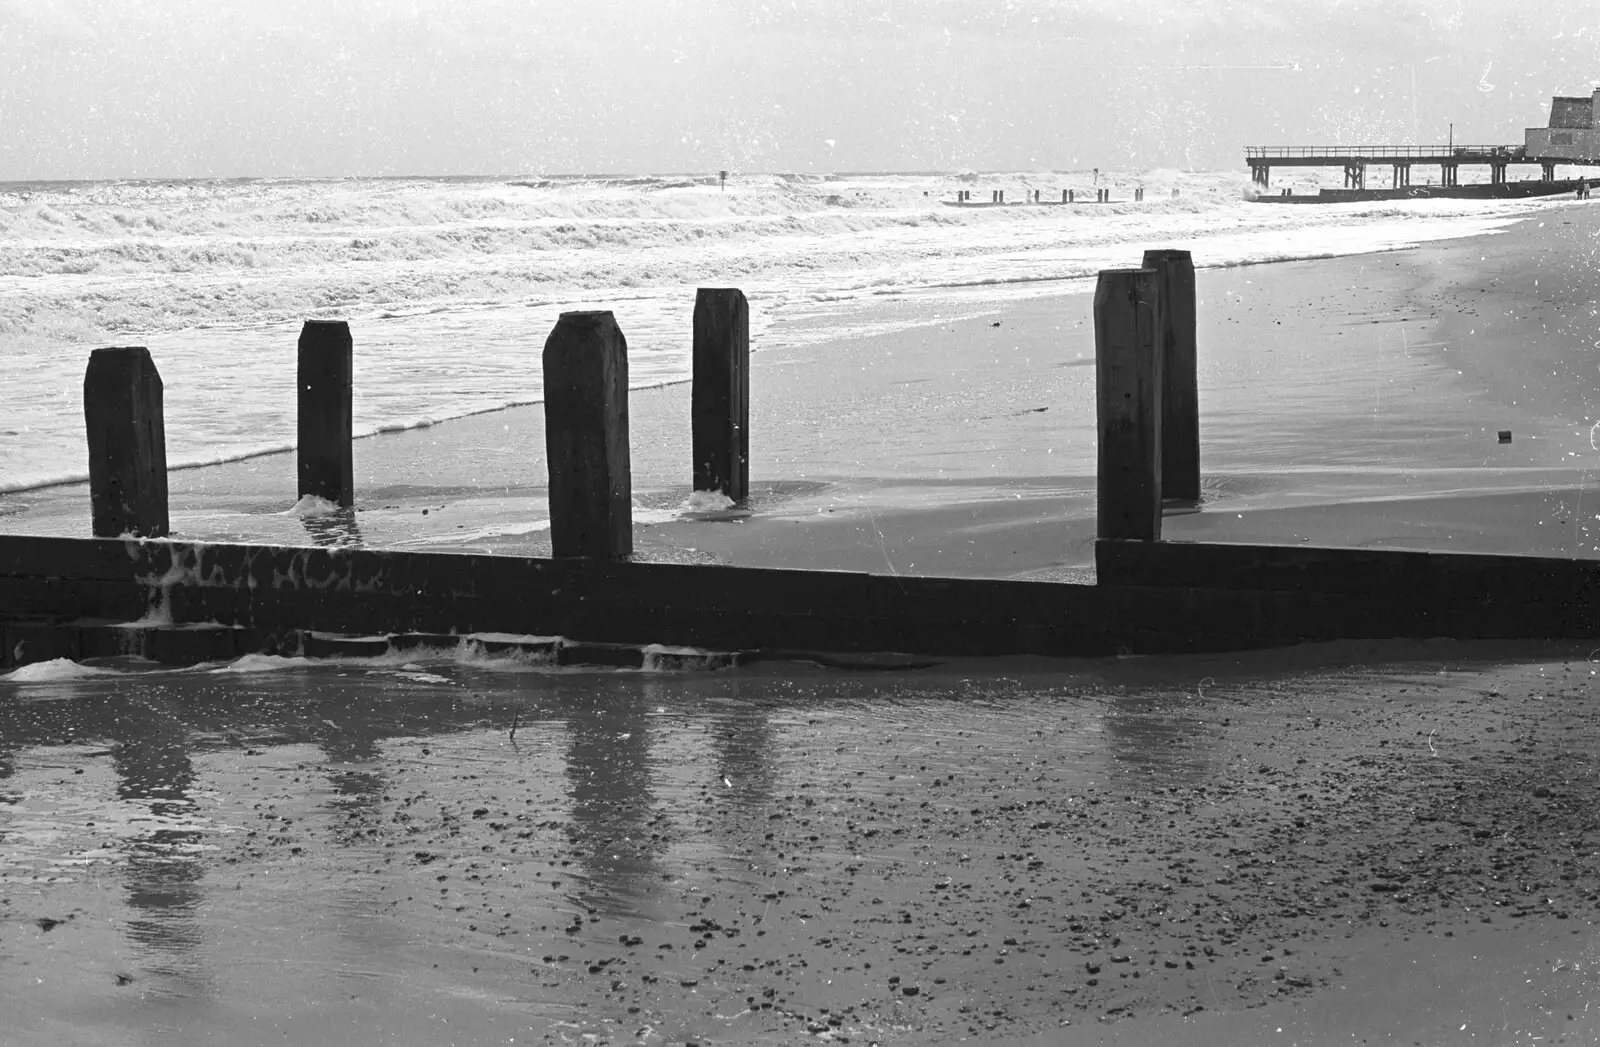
[(1031, 197), (133, 591)]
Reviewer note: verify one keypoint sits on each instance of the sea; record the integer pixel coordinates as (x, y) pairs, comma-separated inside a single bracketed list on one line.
[(451, 285)]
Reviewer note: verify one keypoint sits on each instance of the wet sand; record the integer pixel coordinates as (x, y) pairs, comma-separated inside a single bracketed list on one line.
[(1339, 844), (1347, 401)]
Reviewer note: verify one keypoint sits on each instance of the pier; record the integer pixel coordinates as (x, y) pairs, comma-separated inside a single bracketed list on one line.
[(1400, 159), (1571, 139)]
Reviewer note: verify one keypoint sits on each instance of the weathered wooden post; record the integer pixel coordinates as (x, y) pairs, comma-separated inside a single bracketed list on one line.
[(1127, 337), (1066, 196), (1180, 394), (720, 403), (324, 384), (1071, 196), (586, 437), (122, 411)]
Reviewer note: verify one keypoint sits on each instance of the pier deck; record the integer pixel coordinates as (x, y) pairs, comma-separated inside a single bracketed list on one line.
[(1355, 159)]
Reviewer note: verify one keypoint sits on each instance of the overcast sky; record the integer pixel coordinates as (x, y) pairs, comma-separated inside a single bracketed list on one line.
[(170, 88)]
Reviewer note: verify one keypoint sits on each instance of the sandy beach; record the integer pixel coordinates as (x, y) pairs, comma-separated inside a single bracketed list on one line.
[(1349, 401), (1364, 842)]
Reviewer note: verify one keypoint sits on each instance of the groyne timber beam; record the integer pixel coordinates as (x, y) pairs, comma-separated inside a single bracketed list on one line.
[(1152, 597)]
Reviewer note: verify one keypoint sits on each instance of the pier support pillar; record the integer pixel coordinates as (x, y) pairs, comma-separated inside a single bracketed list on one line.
[(586, 437), (324, 384), (1449, 174), (1180, 394), (720, 403), (1547, 172), (1128, 322), (122, 412)]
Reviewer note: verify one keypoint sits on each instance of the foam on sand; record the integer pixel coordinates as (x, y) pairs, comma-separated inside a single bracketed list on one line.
[(56, 670)]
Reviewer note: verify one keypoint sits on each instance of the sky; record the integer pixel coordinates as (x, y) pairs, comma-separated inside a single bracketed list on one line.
[(230, 88)]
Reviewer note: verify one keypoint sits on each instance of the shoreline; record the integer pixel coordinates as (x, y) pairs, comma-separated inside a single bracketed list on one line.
[(1332, 413)]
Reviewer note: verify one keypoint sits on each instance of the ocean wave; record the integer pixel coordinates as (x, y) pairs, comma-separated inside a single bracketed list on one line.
[(451, 284)]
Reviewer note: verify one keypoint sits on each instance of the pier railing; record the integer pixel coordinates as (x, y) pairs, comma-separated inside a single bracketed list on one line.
[(1384, 152)]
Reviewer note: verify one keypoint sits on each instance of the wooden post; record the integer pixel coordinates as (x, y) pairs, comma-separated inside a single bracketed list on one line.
[(720, 403), (1071, 196), (1180, 394), (324, 430), (586, 437), (122, 411), (1127, 337)]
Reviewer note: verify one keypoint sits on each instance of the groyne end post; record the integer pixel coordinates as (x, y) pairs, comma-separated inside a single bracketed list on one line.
[(1128, 321), (1180, 395)]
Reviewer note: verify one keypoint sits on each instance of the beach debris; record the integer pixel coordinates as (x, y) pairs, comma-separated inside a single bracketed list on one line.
[(995, 324), (1505, 436)]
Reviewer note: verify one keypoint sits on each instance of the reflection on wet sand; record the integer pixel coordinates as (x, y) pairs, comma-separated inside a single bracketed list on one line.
[(609, 774), (741, 850), (349, 742), (163, 872), (742, 738)]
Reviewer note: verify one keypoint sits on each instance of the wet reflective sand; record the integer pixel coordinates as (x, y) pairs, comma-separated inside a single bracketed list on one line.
[(1170, 850)]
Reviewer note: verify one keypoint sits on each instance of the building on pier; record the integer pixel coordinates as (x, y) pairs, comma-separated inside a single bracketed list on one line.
[(1573, 133)]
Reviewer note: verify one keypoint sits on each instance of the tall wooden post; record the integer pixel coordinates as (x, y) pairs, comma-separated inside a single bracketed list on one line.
[(586, 437), (122, 412), (1180, 393), (1127, 337), (720, 405), (324, 387)]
